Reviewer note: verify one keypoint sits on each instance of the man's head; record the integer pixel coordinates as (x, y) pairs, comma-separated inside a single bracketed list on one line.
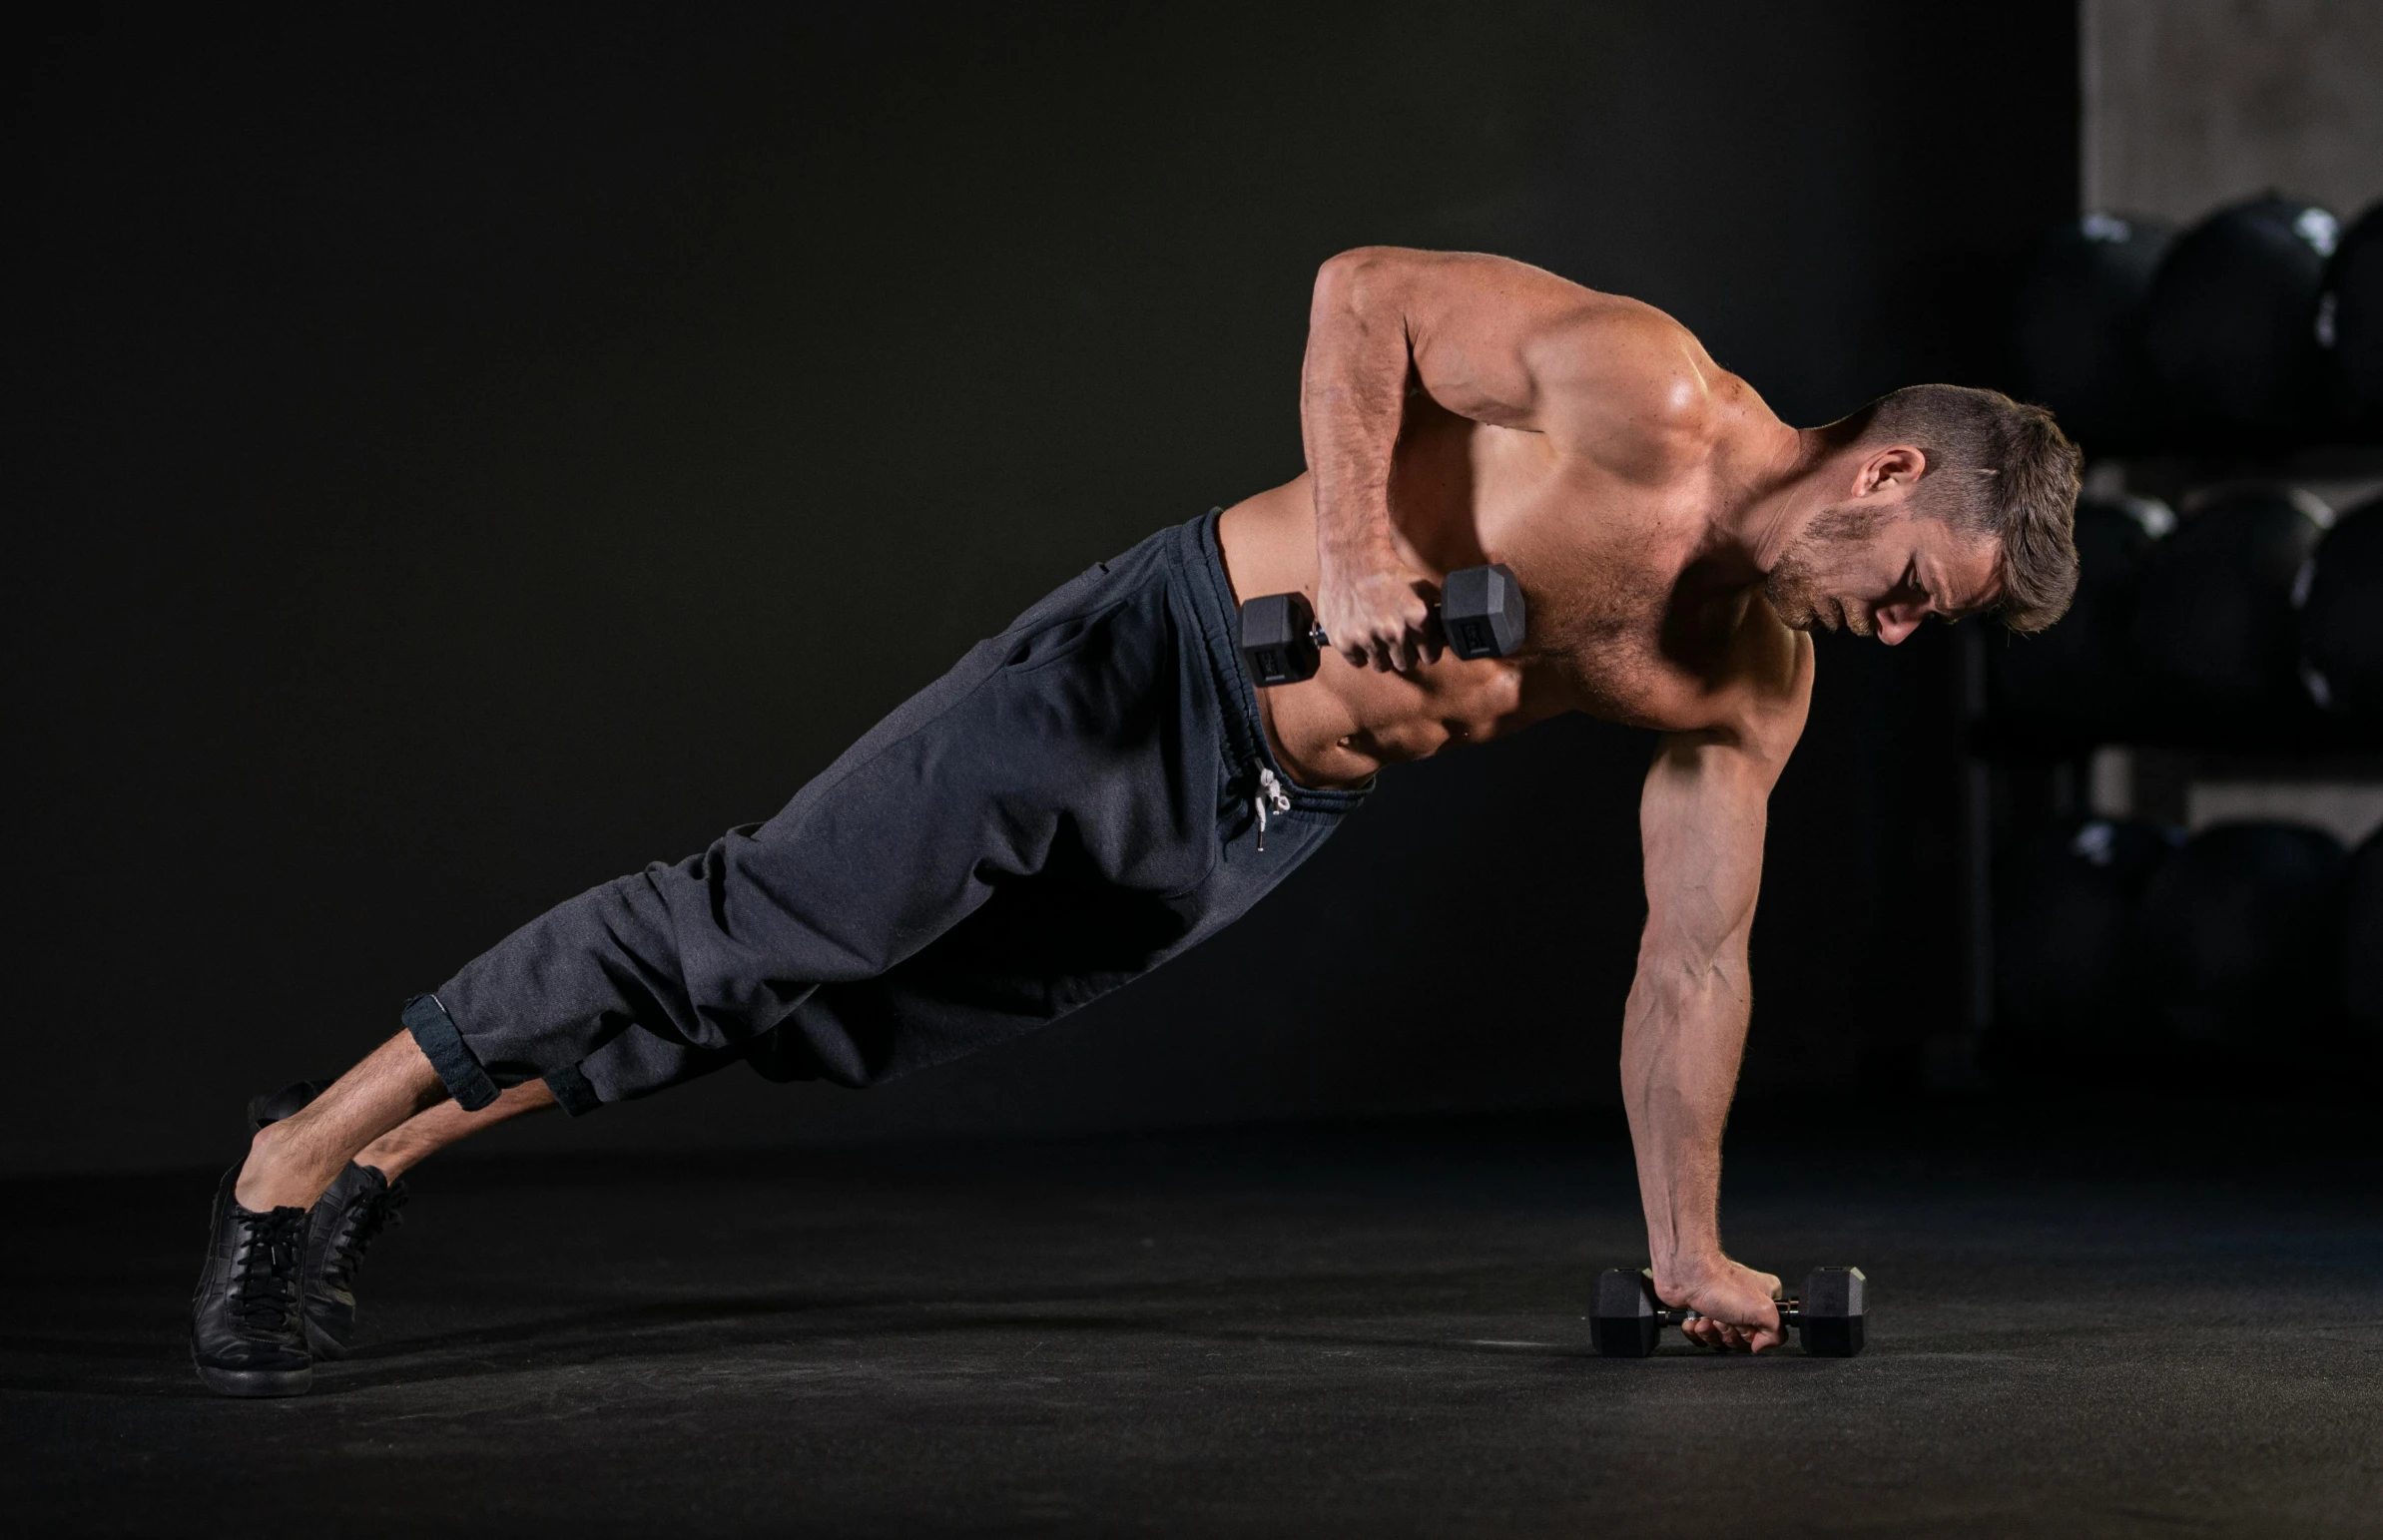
[(1941, 500)]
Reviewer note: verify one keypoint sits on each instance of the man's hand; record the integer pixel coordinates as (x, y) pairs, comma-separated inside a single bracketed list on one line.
[(1479, 337), (1376, 615), (1739, 1308)]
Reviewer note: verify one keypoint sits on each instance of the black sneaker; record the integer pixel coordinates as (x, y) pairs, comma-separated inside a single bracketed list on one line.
[(245, 1333), (350, 1213)]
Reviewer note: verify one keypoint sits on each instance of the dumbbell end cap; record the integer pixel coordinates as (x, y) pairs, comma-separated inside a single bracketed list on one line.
[(1832, 1311), (1482, 611), (1278, 639), (1831, 1338), (1624, 1322)]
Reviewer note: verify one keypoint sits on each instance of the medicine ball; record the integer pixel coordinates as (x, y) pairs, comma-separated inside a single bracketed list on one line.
[(2077, 327), (2081, 673), (2354, 299), (2341, 617), (2064, 931), (2231, 330), (2362, 940), (2214, 625), (2237, 936)]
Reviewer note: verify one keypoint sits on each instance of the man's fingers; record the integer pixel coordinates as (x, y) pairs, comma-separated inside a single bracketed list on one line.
[(1410, 645), (1711, 1333), (1728, 1336), (1393, 644)]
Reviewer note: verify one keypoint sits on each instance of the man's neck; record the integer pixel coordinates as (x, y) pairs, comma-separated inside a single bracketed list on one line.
[(1775, 498)]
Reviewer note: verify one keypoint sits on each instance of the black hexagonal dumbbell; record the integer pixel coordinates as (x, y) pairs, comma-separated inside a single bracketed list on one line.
[(1280, 640), (1627, 1317), (1481, 609), (1480, 612)]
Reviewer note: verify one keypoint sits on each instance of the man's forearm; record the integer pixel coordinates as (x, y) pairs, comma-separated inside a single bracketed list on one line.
[(1353, 388), (1682, 1039)]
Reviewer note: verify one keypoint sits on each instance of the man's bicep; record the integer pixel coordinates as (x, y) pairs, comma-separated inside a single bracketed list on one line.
[(1702, 819)]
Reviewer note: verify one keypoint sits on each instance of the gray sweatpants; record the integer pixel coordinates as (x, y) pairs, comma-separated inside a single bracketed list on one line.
[(1086, 795)]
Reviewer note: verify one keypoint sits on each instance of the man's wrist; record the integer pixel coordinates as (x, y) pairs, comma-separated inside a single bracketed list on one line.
[(1683, 1270), (1354, 522), (1354, 557)]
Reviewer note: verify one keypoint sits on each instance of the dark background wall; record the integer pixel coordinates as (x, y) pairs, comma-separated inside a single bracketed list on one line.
[(458, 458)]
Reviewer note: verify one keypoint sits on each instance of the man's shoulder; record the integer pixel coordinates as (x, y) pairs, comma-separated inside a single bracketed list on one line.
[(1640, 393)]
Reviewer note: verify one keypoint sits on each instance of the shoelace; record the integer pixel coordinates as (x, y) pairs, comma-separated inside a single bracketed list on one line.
[(362, 1222), (265, 1275)]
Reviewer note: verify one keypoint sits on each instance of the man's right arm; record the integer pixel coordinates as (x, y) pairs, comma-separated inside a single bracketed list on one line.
[(1701, 823), (1488, 338)]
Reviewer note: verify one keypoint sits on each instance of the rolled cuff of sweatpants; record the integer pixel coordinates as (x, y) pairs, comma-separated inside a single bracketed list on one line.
[(435, 1033), (572, 1091)]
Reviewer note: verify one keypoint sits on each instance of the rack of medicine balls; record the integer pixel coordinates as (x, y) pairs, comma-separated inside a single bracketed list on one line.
[(2226, 383)]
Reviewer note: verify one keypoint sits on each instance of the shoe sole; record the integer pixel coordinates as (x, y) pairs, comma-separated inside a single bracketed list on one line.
[(255, 1384)]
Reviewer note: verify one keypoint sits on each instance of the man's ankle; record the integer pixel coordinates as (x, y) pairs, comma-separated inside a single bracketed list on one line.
[(273, 1177), (390, 1155)]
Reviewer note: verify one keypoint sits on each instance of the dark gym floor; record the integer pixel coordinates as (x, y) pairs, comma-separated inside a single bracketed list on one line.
[(2167, 1323)]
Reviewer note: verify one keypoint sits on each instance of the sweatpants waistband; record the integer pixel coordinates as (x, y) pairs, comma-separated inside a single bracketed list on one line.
[(1201, 560)]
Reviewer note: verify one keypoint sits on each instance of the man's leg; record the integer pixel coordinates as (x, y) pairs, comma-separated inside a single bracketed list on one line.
[(366, 1197), (432, 1130), (655, 978), (249, 1318), (1079, 763), (292, 1162)]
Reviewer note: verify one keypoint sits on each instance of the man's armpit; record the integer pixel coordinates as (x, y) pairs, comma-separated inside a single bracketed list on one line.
[(1772, 661), (1769, 697)]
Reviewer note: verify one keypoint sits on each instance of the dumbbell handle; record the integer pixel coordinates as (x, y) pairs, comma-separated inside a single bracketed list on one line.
[(1791, 1314), (1317, 636), (1480, 614)]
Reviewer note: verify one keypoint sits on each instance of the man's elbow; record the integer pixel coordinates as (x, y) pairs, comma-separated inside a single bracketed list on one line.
[(1356, 279), (1687, 970)]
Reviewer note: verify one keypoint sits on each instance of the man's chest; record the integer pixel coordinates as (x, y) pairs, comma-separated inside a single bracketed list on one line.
[(1620, 623), (1620, 626)]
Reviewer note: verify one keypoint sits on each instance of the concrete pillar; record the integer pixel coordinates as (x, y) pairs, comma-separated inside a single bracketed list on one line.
[(2188, 103)]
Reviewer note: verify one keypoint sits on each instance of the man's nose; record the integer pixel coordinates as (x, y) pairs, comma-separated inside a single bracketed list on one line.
[(1896, 624)]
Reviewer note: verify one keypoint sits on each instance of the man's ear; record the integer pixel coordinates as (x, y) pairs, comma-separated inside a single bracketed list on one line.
[(1897, 468)]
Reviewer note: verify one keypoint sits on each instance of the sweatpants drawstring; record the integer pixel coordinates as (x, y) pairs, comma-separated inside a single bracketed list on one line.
[(1269, 791)]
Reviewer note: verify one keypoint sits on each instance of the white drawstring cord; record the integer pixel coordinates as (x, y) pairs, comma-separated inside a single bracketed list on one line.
[(1269, 790)]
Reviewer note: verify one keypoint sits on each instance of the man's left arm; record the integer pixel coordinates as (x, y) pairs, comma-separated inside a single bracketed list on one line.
[(1701, 820)]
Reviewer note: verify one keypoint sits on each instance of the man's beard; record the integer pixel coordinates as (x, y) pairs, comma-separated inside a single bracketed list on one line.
[(1795, 586)]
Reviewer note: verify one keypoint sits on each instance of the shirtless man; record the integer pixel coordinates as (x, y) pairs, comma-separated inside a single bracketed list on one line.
[(1100, 786)]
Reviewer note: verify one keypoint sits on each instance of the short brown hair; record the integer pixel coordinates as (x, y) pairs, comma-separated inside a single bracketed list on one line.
[(2009, 472)]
